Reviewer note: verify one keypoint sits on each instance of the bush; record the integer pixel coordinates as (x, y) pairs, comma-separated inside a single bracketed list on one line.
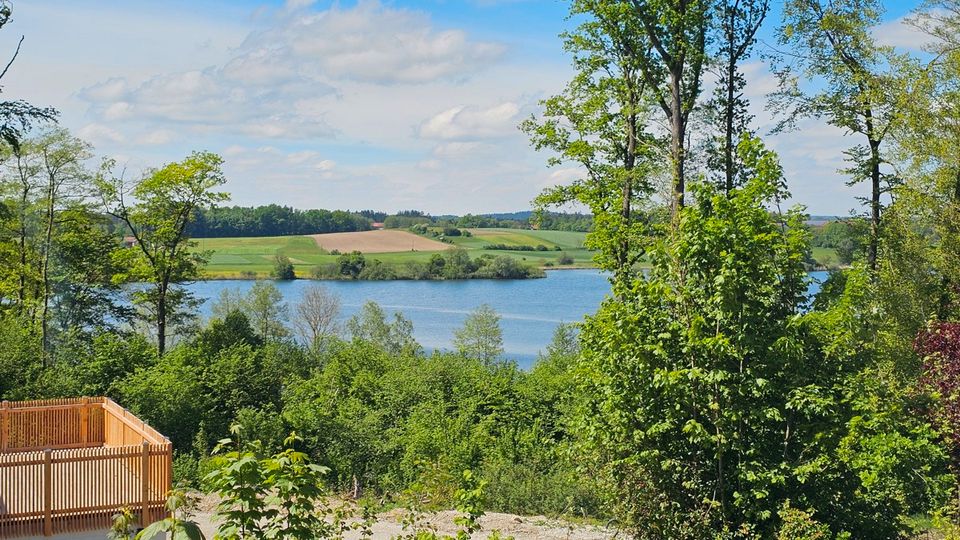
[(283, 268), (565, 259)]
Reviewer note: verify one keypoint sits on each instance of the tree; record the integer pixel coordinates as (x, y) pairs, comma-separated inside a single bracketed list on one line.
[(738, 22), (165, 201), (599, 123), (267, 311), (317, 314), (671, 63), (855, 85), (708, 399), (17, 117), (921, 240), (480, 336), (283, 268), (66, 180), (371, 326), (351, 264)]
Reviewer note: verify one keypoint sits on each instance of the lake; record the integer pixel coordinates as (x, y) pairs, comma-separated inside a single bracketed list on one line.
[(530, 309)]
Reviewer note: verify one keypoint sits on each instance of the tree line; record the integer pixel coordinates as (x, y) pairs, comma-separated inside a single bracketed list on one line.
[(273, 220)]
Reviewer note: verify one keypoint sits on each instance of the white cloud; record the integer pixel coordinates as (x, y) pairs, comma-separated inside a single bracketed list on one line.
[(99, 133), (370, 43), (467, 123), (900, 34)]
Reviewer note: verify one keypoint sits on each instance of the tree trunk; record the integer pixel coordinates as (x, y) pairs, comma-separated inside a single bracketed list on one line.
[(678, 127), (728, 122), (629, 162), (45, 267), (162, 319), (874, 246)]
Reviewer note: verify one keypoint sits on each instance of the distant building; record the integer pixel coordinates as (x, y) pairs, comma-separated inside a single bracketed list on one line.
[(377, 225), (129, 241)]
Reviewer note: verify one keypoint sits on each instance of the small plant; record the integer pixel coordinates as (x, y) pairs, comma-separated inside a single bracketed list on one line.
[(470, 503), (178, 526), (125, 525)]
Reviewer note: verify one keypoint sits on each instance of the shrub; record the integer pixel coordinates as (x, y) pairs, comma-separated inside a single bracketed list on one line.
[(283, 268), (565, 259)]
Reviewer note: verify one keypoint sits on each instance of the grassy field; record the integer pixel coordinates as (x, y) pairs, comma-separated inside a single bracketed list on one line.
[(253, 257)]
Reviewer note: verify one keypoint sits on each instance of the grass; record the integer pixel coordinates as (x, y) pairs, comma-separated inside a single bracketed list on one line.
[(827, 257), (253, 257)]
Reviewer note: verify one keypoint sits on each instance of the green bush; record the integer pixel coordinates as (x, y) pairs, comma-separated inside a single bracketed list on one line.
[(283, 268)]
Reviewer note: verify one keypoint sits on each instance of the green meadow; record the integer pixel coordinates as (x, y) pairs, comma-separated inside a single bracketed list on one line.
[(232, 258)]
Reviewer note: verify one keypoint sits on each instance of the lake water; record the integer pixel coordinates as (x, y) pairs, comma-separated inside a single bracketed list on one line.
[(530, 309)]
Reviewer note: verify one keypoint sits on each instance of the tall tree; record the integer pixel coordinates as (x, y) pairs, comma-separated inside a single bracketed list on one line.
[(736, 26), (316, 315), (852, 83), (671, 61), (65, 181), (165, 201), (920, 277), (599, 123)]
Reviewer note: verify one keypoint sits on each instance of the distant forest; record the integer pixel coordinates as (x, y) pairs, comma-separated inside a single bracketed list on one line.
[(276, 220)]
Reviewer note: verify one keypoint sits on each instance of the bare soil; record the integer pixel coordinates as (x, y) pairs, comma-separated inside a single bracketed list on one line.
[(382, 241)]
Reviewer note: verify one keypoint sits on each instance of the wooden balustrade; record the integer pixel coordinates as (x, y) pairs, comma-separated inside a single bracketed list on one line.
[(69, 465)]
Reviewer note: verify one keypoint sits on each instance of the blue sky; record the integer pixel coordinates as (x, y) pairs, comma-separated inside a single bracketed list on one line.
[(387, 105)]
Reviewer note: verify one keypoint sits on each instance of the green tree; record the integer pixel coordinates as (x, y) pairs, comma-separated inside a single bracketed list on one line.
[(351, 264), (599, 123), (856, 84), (480, 337), (371, 326), (283, 268), (166, 200), (671, 62), (736, 23), (66, 180), (709, 403), (267, 311)]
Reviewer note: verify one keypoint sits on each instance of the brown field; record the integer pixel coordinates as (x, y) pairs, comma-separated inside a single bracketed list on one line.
[(377, 242)]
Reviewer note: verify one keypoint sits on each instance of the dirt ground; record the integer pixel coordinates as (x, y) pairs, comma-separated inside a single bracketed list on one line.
[(383, 241), (388, 525)]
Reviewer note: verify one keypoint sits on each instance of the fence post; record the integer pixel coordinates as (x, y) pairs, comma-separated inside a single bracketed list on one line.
[(4, 426), (84, 422), (47, 492), (145, 486)]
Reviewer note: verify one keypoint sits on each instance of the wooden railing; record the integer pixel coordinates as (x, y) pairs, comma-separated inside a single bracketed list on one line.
[(69, 465)]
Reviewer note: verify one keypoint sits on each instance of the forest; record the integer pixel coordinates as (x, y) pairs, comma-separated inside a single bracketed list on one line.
[(708, 397)]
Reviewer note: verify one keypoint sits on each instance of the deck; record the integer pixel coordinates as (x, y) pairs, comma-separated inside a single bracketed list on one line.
[(69, 465)]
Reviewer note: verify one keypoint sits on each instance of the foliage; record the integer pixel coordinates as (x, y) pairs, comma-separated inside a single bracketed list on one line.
[(858, 82), (599, 123), (166, 200), (709, 402), (480, 337), (177, 526), (939, 346), (283, 268), (267, 497), (272, 220)]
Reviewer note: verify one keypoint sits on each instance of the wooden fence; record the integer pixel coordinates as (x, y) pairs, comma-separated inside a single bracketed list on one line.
[(68, 465)]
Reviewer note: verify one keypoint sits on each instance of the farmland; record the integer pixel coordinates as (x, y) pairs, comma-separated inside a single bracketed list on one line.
[(232, 258)]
